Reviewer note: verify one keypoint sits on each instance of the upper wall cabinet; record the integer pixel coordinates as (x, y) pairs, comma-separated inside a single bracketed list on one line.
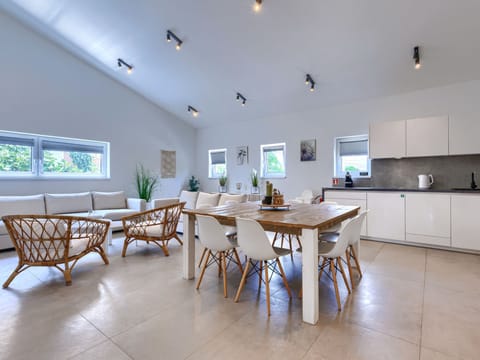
[(463, 135), (427, 136), (387, 140)]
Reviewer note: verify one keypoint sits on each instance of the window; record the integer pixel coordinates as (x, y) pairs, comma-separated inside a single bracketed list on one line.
[(217, 163), (273, 160), (351, 154), (29, 155)]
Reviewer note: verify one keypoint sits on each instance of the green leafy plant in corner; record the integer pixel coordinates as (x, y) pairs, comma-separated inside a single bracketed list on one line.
[(193, 184), (254, 178), (222, 180), (146, 183)]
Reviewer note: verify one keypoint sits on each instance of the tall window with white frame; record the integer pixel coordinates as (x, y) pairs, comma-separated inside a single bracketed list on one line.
[(273, 164), (42, 156), (351, 154), (217, 163)]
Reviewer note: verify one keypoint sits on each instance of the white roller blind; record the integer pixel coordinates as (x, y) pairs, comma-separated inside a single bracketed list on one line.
[(217, 157), (63, 146), (350, 148)]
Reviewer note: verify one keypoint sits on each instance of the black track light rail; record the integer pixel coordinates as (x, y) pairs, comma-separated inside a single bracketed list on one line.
[(309, 80), (241, 97), (416, 56), (121, 63), (171, 35), (192, 110)]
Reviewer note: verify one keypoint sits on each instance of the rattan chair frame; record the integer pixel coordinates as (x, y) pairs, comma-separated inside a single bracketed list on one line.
[(46, 240), (135, 226)]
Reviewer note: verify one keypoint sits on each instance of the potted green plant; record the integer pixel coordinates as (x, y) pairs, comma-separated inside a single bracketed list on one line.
[(254, 179), (193, 184), (146, 183), (222, 181)]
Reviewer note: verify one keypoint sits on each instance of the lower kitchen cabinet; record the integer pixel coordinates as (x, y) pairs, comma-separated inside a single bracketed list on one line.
[(466, 222), (386, 216), (350, 198), (427, 218)]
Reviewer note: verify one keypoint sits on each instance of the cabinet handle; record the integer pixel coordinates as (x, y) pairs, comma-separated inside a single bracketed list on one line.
[(402, 195)]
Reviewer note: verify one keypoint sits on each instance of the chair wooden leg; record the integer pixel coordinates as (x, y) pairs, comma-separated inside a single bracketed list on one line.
[(224, 269), (283, 238), (237, 258), (201, 258), (165, 248), (284, 278), (275, 239), (322, 268), (349, 265), (290, 245), (67, 273), (178, 239), (335, 284), (357, 261), (260, 275), (125, 245), (339, 264), (267, 287), (13, 275), (203, 269), (103, 255), (242, 282), (298, 240)]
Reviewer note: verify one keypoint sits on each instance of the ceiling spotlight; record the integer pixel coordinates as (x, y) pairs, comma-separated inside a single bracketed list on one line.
[(171, 35), (257, 6), (416, 57), (121, 63), (309, 80), (240, 96), (192, 110)]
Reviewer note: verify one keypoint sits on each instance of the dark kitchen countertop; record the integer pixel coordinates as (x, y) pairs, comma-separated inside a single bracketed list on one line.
[(359, 188)]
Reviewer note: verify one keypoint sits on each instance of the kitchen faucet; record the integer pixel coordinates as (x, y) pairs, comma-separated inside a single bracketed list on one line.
[(473, 185)]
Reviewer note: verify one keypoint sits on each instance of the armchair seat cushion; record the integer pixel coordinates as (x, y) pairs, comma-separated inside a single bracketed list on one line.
[(78, 245)]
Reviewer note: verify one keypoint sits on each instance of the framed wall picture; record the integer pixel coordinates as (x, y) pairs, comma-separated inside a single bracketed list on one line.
[(168, 164), (242, 155), (308, 150)]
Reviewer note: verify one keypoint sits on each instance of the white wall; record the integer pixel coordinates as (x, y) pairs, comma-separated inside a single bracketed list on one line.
[(46, 90), (323, 125)]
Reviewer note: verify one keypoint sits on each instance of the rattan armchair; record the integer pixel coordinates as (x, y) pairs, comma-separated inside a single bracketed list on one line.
[(158, 226), (51, 240)]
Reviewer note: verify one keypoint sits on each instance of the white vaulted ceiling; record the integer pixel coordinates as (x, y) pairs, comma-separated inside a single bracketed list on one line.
[(353, 49)]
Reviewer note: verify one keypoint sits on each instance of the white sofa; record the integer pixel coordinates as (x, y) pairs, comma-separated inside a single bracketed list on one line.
[(197, 200), (99, 205)]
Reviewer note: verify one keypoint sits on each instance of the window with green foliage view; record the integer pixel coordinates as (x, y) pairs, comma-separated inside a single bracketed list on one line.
[(273, 161), (28, 155)]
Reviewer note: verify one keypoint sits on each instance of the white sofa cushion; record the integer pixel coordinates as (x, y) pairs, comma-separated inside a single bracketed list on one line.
[(190, 197), (17, 205), (115, 214), (239, 198), (68, 203), (206, 199), (109, 200)]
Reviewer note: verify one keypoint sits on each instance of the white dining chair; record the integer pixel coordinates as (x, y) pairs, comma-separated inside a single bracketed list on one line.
[(219, 247), (332, 253), (254, 242)]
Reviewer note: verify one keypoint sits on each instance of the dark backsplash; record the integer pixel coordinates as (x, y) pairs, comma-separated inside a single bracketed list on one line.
[(448, 171)]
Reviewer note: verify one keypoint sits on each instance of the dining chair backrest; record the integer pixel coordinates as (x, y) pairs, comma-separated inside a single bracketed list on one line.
[(355, 236), (351, 230), (212, 234), (253, 240)]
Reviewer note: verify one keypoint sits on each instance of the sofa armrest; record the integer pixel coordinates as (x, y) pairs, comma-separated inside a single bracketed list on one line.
[(136, 204), (158, 203)]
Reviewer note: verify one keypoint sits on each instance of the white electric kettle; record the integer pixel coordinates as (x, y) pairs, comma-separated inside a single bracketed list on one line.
[(425, 181)]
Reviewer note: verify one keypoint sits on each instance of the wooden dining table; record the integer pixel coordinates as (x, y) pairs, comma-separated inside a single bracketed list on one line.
[(304, 220)]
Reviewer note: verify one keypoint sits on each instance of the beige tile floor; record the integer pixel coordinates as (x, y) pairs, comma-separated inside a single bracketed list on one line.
[(412, 303)]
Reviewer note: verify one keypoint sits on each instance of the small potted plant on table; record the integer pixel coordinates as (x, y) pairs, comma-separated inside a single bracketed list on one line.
[(254, 179), (222, 181)]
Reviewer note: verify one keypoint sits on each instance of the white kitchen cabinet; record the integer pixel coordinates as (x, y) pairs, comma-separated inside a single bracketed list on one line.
[(465, 222), (386, 216), (387, 140), (463, 134), (427, 136), (350, 198), (428, 218)]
